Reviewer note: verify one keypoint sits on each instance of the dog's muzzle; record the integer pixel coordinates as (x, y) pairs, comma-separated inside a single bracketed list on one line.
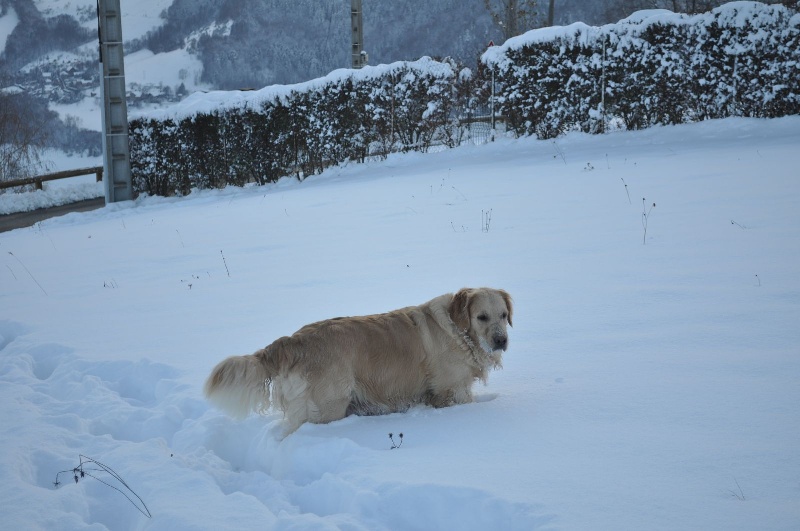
[(500, 342)]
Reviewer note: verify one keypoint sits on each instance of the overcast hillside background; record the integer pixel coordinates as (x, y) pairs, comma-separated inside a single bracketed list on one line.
[(264, 42)]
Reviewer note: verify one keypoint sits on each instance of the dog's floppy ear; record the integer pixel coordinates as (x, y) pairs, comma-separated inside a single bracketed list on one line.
[(459, 308), (509, 304)]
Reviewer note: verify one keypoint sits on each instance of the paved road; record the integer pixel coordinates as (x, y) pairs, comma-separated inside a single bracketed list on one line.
[(27, 219)]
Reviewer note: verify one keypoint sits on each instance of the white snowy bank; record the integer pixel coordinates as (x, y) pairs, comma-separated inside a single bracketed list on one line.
[(651, 380)]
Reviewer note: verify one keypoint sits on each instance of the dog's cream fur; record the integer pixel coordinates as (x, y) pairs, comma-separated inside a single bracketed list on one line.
[(427, 354)]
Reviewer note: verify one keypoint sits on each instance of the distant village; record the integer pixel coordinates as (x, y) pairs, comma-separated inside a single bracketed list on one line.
[(66, 82)]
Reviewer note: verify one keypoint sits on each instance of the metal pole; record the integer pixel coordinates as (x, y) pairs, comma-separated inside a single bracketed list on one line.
[(358, 57), (603, 88), (492, 103), (116, 152)]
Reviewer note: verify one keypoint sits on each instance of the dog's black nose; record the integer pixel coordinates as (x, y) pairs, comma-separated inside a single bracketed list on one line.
[(500, 342)]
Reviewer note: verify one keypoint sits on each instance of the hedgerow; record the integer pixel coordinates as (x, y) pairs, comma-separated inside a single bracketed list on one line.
[(655, 67), (298, 130), (741, 59)]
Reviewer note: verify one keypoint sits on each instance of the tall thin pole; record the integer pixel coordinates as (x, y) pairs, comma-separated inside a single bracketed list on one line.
[(491, 102), (114, 112), (358, 55), (603, 87)]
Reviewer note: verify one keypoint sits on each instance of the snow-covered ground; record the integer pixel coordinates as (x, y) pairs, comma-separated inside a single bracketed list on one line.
[(652, 381), (168, 68), (139, 17)]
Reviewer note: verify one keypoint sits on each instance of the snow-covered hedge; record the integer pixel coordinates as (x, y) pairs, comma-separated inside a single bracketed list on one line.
[(655, 67), (220, 138)]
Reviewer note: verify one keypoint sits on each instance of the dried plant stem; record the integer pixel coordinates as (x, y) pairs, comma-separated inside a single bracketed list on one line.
[(645, 219), (28, 271), (225, 263), (626, 191), (740, 494)]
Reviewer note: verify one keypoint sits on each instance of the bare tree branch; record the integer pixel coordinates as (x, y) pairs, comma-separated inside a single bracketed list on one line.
[(21, 139), (513, 17)]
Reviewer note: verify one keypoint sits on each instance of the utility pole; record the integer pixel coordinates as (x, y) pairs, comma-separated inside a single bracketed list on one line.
[(358, 55), (116, 152)]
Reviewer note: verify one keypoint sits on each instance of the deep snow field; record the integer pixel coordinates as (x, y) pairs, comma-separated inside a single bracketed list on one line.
[(652, 380)]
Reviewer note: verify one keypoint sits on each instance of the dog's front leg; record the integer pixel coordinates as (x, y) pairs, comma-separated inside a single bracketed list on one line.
[(443, 398)]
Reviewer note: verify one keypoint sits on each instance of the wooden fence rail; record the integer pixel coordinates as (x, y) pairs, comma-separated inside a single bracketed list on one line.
[(39, 179)]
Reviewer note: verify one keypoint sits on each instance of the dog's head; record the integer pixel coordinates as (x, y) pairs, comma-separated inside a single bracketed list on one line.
[(483, 313)]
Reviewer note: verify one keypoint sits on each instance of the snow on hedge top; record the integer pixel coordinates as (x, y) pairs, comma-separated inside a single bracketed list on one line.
[(644, 14), (733, 14), (222, 100)]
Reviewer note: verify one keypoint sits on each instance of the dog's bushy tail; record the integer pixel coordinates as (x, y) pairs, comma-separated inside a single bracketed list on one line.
[(239, 385)]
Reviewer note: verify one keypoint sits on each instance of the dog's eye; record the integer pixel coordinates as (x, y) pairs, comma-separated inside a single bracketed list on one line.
[(483, 317), (503, 315)]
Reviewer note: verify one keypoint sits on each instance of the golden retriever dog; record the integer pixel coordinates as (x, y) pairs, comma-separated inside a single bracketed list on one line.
[(427, 354)]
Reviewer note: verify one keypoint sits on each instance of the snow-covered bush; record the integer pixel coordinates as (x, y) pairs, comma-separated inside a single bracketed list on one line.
[(655, 67), (216, 139)]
